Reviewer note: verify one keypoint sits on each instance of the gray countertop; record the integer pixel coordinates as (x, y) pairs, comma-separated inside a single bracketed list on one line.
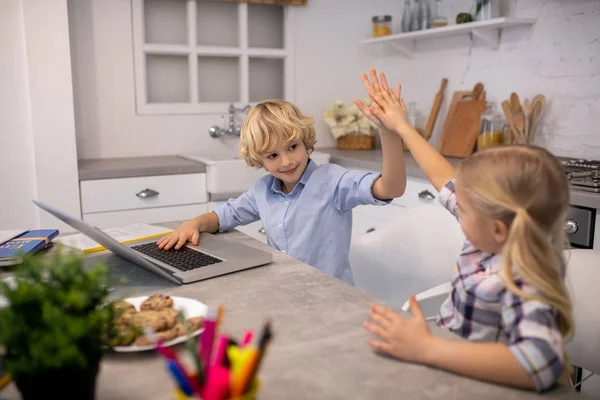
[(319, 350), (371, 160), (110, 168)]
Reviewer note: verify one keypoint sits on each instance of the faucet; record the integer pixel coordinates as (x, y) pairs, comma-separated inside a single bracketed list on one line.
[(216, 131)]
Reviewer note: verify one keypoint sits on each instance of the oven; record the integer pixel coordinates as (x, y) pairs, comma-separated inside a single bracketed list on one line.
[(580, 227)]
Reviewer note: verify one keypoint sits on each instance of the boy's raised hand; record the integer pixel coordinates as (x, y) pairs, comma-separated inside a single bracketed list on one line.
[(404, 338), (388, 107)]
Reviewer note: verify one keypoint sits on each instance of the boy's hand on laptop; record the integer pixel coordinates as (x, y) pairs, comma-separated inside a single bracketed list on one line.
[(188, 231), (404, 338)]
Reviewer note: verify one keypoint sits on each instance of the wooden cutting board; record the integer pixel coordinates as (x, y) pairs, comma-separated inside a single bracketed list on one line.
[(463, 127), (456, 98)]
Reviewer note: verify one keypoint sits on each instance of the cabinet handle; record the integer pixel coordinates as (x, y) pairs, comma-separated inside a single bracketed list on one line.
[(426, 195), (370, 230), (146, 193), (571, 227), (262, 230)]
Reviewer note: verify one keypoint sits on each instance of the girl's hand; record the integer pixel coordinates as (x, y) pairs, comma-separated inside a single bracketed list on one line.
[(179, 237), (402, 338), (387, 107), (375, 87)]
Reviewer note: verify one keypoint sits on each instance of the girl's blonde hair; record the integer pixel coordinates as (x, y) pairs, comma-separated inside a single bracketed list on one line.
[(526, 187), (271, 122)]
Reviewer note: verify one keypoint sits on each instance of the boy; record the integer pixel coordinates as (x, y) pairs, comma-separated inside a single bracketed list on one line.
[(306, 210)]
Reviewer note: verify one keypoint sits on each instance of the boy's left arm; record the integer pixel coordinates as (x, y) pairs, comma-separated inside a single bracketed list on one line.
[(392, 182)]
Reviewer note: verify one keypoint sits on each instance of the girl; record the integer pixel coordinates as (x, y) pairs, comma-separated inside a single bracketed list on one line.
[(508, 294)]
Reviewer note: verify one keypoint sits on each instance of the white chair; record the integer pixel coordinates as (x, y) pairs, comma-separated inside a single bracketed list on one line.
[(411, 253), (583, 278)]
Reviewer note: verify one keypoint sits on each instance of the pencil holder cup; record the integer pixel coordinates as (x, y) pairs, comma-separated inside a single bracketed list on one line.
[(251, 395)]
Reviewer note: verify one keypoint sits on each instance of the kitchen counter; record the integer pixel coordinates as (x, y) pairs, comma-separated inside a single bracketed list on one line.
[(319, 350), (130, 167), (371, 160)]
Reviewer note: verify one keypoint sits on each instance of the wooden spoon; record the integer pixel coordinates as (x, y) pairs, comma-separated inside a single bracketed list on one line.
[(509, 119), (537, 107), (515, 104), (527, 116), (478, 91)]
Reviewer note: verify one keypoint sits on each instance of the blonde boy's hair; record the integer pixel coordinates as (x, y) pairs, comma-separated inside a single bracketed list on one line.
[(271, 122), (526, 187)]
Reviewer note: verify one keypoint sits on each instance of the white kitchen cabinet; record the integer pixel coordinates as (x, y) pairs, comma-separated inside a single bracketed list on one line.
[(115, 202)]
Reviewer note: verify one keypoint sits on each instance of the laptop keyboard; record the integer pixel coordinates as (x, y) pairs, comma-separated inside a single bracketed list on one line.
[(184, 259)]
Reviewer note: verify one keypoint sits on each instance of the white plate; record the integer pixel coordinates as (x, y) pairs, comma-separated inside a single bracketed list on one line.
[(189, 307)]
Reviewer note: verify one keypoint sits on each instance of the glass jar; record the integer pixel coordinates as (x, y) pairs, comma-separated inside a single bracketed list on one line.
[(438, 20), (492, 128), (486, 9), (382, 25), (406, 16)]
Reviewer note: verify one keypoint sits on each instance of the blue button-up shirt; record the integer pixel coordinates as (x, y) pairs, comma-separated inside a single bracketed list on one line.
[(313, 223)]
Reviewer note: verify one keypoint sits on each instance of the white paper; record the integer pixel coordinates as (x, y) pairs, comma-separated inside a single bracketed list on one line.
[(122, 234)]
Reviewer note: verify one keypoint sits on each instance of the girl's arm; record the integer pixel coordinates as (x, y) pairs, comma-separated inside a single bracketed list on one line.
[(390, 110), (492, 362), (409, 339), (436, 167)]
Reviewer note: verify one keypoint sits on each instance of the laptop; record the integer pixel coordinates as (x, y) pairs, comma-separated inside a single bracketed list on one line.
[(213, 256)]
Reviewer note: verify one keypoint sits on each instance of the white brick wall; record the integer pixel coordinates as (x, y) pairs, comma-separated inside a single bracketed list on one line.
[(559, 57)]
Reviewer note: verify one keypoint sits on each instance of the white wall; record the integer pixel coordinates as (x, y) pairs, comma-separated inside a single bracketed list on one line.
[(17, 170), (37, 153), (559, 57), (103, 82)]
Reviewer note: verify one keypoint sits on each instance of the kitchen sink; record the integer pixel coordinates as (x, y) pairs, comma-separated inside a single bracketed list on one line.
[(227, 174)]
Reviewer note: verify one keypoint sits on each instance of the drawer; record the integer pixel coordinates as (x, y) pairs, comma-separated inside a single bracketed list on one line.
[(142, 192), (115, 219), (383, 213), (418, 191)]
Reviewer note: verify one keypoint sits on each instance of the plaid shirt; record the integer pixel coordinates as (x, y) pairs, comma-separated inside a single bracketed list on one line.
[(481, 308)]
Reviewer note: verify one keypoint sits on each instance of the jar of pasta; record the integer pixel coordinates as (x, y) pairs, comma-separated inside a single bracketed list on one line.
[(492, 128), (382, 25)]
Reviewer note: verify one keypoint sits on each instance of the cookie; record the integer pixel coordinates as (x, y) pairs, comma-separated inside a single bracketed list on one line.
[(124, 312), (156, 302), (122, 305), (195, 323), (163, 336), (171, 316), (152, 319), (124, 335)]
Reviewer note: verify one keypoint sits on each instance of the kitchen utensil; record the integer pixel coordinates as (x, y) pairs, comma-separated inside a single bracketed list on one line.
[(519, 125), (463, 124), (515, 104), (527, 114), (478, 91), (508, 116), (435, 109), (456, 98), (538, 104)]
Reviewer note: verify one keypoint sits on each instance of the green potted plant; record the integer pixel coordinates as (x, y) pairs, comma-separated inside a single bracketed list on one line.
[(53, 330)]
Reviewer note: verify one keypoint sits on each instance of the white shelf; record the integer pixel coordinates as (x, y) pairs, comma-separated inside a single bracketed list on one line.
[(487, 31)]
